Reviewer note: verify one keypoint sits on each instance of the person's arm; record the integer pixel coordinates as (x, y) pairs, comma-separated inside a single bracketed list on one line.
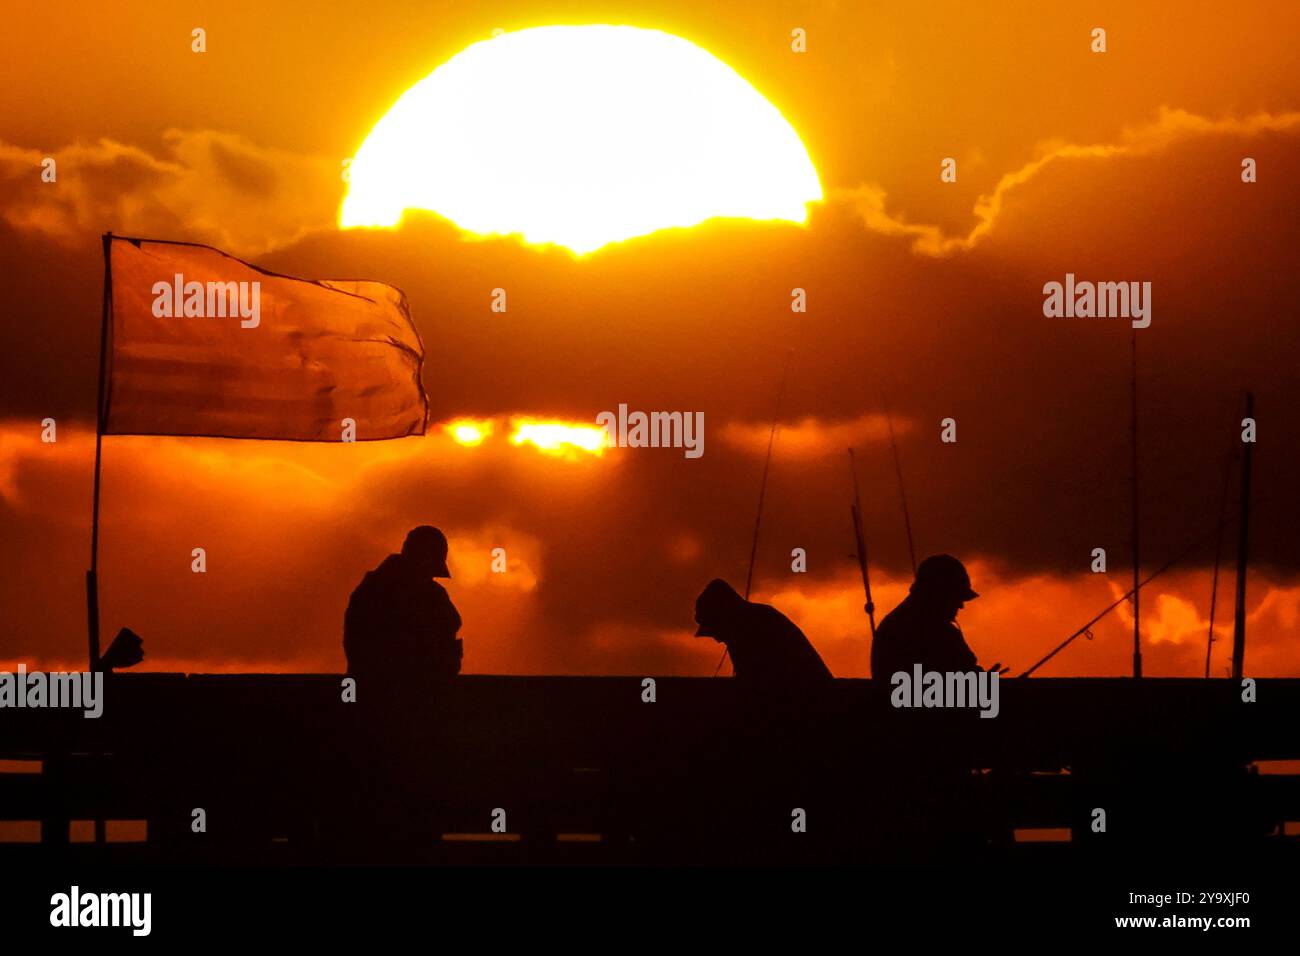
[(447, 613), (446, 624), (972, 662), (962, 656)]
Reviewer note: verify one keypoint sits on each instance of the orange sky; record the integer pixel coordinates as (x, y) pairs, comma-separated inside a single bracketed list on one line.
[(1116, 166)]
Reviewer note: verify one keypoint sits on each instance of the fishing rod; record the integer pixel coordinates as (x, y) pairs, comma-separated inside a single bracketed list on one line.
[(860, 541), (1218, 554), (762, 492), (1086, 629), (902, 491)]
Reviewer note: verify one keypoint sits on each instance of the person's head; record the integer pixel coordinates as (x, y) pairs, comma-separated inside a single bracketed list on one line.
[(425, 548), (943, 584), (715, 607)]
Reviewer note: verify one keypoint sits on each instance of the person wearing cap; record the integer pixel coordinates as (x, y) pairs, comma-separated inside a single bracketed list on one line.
[(766, 647), (923, 628), (400, 625)]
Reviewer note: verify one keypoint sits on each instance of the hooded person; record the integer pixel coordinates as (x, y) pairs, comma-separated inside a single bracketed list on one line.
[(923, 628), (766, 647), (775, 735), (400, 625)]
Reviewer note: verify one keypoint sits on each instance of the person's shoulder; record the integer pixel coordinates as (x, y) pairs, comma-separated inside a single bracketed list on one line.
[(895, 619), (371, 579), (766, 613), (436, 592), (953, 632), (779, 624)]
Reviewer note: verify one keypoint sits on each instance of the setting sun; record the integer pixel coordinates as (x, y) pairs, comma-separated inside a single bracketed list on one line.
[(581, 136)]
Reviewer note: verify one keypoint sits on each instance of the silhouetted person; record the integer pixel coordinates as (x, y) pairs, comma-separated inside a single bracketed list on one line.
[(766, 647), (400, 626), (923, 629), (932, 803), (773, 737)]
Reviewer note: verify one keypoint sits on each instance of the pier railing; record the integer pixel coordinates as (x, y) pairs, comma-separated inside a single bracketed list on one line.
[(285, 760)]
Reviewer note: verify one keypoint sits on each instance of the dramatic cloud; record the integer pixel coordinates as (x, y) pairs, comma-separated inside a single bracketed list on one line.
[(1171, 127), (813, 438), (205, 186)]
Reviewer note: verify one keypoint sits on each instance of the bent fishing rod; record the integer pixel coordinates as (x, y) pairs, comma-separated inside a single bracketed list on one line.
[(1086, 629), (762, 492), (860, 541)]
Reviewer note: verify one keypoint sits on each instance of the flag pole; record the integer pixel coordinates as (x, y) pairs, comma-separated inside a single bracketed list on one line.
[(1137, 554), (92, 576), (1243, 555)]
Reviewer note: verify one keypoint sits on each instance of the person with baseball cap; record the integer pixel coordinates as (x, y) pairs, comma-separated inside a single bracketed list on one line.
[(923, 628), (400, 626)]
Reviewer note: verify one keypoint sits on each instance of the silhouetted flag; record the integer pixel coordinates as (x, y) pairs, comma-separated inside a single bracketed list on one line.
[(202, 343)]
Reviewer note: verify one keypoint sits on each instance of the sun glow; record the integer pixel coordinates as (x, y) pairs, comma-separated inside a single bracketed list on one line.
[(468, 431), (581, 136), (558, 438)]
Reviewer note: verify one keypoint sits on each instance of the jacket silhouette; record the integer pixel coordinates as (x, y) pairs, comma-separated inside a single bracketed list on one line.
[(766, 647), (923, 628), (400, 625)]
